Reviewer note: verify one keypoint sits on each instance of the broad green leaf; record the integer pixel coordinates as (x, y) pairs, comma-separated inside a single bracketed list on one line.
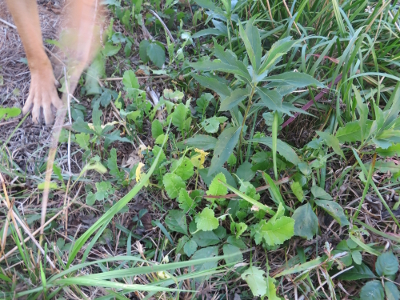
[(235, 251), (143, 51), (156, 54), (190, 247), (216, 188), (206, 220), (213, 84), (211, 125), (110, 49), (256, 280), (83, 140), (363, 110), (294, 79), (209, 31), (156, 129), (129, 80), (244, 171), (393, 150), (297, 190), (176, 221), (179, 116), (357, 257), (335, 210), (271, 289), (103, 190), (9, 112), (306, 222), (391, 291), (234, 99), (387, 264), (332, 141), (394, 109), (351, 132), (206, 238), (270, 98), (357, 272), (274, 55), (226, 142), (372, 290), (210, 5), (173, 184), (201, 141), (319, 193), (208, 252), (186, 203), (283, 149), (52, 185), (183, 168), (274, 233), (310, 265)]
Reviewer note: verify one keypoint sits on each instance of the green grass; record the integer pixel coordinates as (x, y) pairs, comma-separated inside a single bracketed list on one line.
[(209, 192)]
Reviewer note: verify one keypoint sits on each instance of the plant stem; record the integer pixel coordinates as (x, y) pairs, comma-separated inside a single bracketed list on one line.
[(245, 117)]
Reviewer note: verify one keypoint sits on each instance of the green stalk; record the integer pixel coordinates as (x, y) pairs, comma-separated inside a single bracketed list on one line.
[(253, 89), (275, 142)]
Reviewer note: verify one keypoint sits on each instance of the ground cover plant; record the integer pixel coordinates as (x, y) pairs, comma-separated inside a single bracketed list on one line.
[(218, 150)]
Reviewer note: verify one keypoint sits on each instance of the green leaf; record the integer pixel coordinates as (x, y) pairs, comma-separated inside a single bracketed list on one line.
[(357, 272), (393, 150), (213, 84), (351, 132), (90, 199), (240, 228), (206, 220), (156, 129), (226, 142), (103, 190), (274, 232), (357, 257), (252, 42), (306, 222), (156, 53), (372, 290), (183, 168), (294, 79), (320, 193), (216, 188), (271, 289), (208, 252), (387, 264), (190, 247), (393, 107), (232, 250), (206, 238), (83, 140), (186, 203), (129, 80), (283, 149), (201, 141), (9, 112), (234, 99), (52, 185), (113, 166), (179, 116), (144, 44), (363, 110), (335, 210), (173, 184), (332, 141), (207, 4), (255, 280), (391, 291), (176, 221), (297, 190), (270, 98), (244, 171), (211, 125), (275, 54), (110, 49)]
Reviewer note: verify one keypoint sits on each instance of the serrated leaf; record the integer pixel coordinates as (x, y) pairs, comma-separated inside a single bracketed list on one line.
[(391, 291), (275, 232), (225, 144), (183, 168), (335, 210), (213, 84), (393, 150), (306, 222), (283, 149), (129, 80), (332, 141), (357, 272), (179, 116), (190, 247), (232, 250), (103, 190), (176, 221), (201, 141), (271, 289), (387, 264), (113, 166), (255, 280), (206, 220), (83, 140), (156, 53), (234, 99), (351, 132), (372, 290), (173, 184), (216, 188), (186, 203)]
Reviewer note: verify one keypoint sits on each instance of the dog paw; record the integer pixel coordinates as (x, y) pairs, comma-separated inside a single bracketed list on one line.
[(42, 94)]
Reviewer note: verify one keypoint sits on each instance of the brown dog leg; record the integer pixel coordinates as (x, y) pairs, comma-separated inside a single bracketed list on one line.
[(42, 92)]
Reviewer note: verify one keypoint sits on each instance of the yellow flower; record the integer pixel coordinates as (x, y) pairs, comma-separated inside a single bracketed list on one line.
[(199, 159), (139, 171)]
